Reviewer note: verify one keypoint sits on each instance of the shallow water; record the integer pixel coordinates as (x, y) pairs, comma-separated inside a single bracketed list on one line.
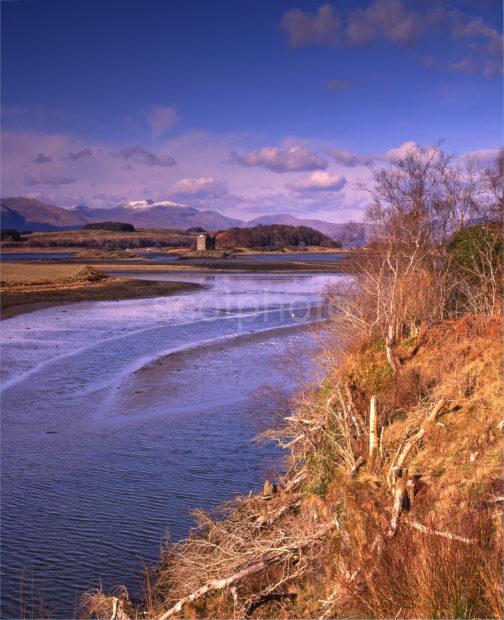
[(310, 257), (119, 418)]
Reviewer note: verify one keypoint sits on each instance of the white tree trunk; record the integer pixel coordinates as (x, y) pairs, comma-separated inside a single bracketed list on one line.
[(389, 348), (373, 431)]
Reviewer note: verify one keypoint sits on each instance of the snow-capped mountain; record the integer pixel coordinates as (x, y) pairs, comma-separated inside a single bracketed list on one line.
[(162, 214), (148, 204)]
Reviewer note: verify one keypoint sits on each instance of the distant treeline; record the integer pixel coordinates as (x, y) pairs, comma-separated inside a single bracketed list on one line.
[(113, 226), (113, 236), (274, 236)]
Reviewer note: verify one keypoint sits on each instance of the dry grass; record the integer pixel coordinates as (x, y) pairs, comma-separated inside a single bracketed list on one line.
[(417, 578), (14, 274), (354, 566)]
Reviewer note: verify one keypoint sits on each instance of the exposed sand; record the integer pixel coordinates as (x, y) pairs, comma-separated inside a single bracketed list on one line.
[(183, 372)]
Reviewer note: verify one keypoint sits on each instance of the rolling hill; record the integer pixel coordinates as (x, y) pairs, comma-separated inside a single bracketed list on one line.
[(32, 214)]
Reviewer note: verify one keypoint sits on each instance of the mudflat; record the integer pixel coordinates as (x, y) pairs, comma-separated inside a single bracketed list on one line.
[(29, 287)]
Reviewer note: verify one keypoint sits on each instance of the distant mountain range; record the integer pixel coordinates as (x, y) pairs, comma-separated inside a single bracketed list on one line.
[(30, 214), (165, 214)]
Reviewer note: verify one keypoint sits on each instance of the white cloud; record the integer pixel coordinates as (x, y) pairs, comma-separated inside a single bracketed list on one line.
[(346, 158), (293, 159), (80, 154), (302, 28), (475, 46), (161, 118), (409, 148), (198, 187), (144, 156), (319, 182), (400, 152), (52, 180), (486, 157)]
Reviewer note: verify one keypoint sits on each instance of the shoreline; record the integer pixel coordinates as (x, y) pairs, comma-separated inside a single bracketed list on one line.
[(210, 266), (18, 300), (213, 266), (173, 251)]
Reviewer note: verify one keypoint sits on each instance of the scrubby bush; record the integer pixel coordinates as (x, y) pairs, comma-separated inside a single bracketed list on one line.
[(195, 229), (476, 263), (10, 234), (112, 226), (274, 236), (471, 245)]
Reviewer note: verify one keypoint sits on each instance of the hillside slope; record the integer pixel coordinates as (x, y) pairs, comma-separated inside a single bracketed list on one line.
[(40, 216), (414, 531)]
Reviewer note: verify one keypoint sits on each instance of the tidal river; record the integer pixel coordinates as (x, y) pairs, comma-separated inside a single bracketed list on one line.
[(119, 418)]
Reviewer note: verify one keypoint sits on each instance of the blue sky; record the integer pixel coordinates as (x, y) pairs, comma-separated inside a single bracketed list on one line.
[(246, 107)]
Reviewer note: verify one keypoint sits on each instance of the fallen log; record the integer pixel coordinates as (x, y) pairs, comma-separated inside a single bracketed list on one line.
[(293, 482), (213, 585), (427, 530), (399, 501)]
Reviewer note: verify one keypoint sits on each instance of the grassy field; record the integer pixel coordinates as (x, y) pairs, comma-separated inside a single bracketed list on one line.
[(26, 287)]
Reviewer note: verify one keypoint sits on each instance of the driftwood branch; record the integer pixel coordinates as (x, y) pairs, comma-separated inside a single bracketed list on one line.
[(293, 482), (358, 464), (354, 414), (427, 530), (269, 519), (117, 610), (215, 585), (405, 450)]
